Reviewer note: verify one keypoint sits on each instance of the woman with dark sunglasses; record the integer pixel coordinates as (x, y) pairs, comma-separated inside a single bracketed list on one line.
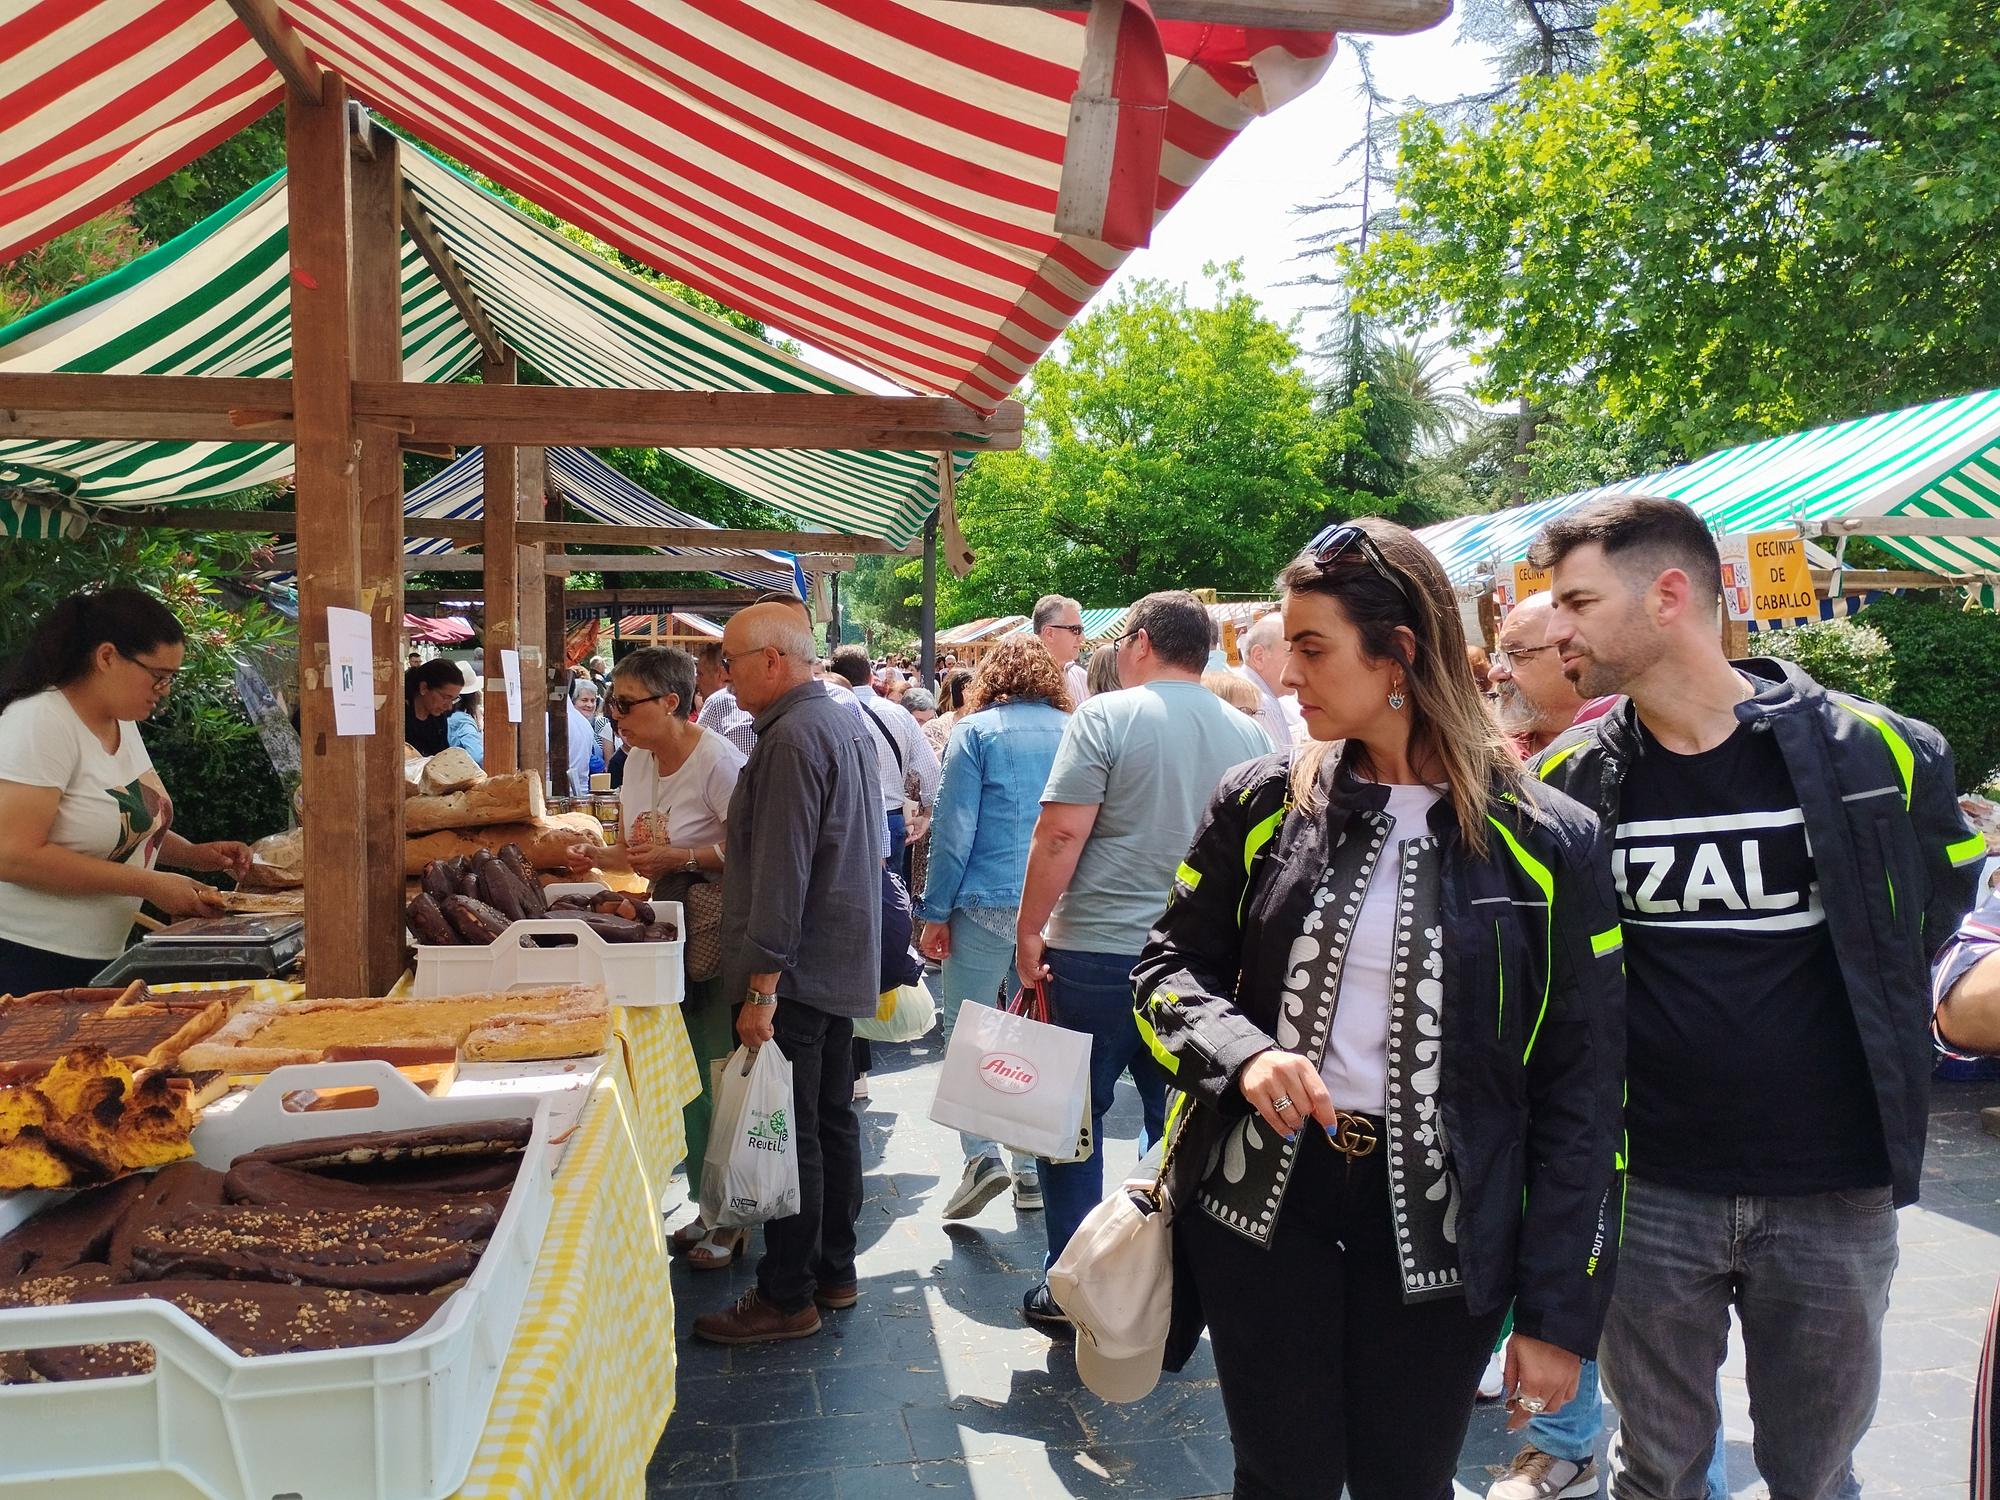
[(1388, 980), (84, 818)]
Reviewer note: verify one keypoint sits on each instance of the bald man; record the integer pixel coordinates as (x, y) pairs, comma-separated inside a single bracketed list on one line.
[(1264, 652), (1534, 701), (801, 940)]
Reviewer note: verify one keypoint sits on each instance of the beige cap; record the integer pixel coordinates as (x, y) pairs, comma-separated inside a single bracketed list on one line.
[(1115, 1279)]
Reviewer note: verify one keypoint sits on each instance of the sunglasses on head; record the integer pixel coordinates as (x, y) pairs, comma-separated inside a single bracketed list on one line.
[(1344, 539)]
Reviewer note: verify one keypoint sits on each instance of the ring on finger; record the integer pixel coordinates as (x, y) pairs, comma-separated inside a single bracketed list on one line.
[(1534, 1405), (1280, 1104)]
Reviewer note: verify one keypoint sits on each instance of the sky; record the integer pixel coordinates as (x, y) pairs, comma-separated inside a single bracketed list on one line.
[(1242, 207)]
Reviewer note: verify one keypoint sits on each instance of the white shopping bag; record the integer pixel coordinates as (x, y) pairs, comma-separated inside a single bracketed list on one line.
[(752, 1170), (903, 1015), (1018, 1080)]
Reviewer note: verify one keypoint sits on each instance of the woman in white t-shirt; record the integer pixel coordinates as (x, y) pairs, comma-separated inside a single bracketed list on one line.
[(679, 778), (84, 819)]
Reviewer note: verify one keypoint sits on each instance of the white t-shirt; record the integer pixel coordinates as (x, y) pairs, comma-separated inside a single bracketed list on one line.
[(692, 803), (1356, 1064), (113, 807)]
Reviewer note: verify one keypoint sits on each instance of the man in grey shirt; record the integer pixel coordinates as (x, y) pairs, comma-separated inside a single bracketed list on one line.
[(1132, 776), (801, 940)]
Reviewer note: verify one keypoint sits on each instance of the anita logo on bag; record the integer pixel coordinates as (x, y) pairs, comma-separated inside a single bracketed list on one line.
[(1008, 1072)]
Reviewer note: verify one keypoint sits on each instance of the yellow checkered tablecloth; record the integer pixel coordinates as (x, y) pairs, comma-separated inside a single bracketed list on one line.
[(589, 1379)]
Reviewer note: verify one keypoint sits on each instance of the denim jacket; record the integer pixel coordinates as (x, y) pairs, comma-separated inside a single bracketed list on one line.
[(995, 766)]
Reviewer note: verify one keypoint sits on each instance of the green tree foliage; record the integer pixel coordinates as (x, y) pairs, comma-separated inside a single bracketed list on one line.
[(216, 178), (1846, 655), (206, 748), (1947, 674), (94, 248), (1743, 219), (1168, 446)]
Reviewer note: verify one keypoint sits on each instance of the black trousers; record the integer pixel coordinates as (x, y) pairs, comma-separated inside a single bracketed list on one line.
[(23, 970), (1328, 1377), (816, 1245)]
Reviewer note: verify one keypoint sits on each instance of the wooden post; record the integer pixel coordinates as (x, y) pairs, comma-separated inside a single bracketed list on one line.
[(833, 614), (377, 296), (531, 483), (1735, 637), (503, 578), (927, 619), (329, 509), (557, 629)]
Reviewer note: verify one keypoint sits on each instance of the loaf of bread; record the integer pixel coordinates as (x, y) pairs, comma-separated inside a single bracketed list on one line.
[(277, 863), (513, 798), (544, 842), (448, 771)]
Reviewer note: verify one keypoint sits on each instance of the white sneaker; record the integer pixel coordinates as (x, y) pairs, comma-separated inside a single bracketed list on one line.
[(1027, 1191), (1535, 1475), (1493, 1384), (985, 1179), (860, 1088)]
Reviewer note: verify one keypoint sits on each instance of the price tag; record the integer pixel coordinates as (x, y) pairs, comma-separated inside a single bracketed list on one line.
[(510, 674), (1781, 586), (350, 657)]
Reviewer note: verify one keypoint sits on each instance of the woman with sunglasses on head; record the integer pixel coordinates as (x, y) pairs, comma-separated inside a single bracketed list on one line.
[(1389, 982), (674, 803), (84, 819)]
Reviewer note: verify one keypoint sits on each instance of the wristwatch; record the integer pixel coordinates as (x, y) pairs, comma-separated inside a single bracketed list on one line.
[(693, 865), (756, 997)]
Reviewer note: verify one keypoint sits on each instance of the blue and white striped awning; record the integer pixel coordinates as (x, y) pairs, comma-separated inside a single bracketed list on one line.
[(580, 477)]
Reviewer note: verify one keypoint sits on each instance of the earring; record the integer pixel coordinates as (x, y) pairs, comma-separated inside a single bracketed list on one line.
[(1396, 696)]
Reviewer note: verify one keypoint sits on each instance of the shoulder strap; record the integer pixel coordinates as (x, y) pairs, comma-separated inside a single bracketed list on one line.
[(883, 729)]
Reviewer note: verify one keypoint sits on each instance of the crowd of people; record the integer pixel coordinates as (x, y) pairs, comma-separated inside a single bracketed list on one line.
[(1518, 1037), (1515, 1025)]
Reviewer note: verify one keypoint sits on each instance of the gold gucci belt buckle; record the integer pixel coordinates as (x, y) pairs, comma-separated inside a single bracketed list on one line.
[(1353, 1136)]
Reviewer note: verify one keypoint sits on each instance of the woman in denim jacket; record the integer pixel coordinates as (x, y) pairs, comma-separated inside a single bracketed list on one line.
[(995, 766)]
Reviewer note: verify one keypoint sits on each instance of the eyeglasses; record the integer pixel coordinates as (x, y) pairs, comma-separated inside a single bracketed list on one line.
[(730, 660), (620, 705), (163, 677), (1076, 630), (1130, 635), (1507, 659), (1341, 538)]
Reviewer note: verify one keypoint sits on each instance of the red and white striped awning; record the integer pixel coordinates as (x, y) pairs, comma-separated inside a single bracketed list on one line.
[(878, 177)]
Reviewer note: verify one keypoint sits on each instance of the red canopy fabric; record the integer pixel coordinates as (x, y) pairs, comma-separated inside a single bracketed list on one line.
[(878, 177)]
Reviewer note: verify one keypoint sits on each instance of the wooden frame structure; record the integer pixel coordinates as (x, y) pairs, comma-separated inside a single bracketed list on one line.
[(350, 416)]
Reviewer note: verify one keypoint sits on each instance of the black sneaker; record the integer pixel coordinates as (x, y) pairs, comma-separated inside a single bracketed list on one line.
[(1040, 1308)]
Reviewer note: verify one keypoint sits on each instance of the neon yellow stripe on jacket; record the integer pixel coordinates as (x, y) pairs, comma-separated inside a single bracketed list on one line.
[(1539, 873)]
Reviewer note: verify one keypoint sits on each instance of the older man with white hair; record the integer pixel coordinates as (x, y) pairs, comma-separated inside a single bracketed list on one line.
[(1264, 652), (801, 938)]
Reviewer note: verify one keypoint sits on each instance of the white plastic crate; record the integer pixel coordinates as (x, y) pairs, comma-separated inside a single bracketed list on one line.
[(636, 974), (389, 1422)]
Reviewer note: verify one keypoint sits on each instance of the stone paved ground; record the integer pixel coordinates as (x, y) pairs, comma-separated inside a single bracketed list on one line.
[(935, 1386)]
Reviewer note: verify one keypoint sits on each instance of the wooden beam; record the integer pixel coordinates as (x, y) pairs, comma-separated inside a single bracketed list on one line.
[(555, 626), (376, 291), (679, 598), (272, 32), (618, 417), (1913, 526), (623, 562), (444, 265), (1374, 17), (272, 522), (328, 483), (593, 534), (502, 566), (1861, 580), (532, 502)]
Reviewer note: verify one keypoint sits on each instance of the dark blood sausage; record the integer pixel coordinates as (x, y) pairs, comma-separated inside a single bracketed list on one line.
[(501, 890), (428, 921), (516, 861), (475, 920), (468, 885), (437, 881)]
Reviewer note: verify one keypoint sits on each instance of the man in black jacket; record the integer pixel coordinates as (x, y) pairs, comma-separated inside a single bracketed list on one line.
[(1787, 861)]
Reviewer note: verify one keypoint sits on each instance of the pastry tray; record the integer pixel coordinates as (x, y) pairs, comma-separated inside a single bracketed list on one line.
[(386, 1422), (633, 974)]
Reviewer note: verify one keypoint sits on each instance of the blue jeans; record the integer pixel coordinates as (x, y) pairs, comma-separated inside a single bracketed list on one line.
[(899, 839), (1572, 1433), (980, 968), (1808, 1277), (1092, 992)]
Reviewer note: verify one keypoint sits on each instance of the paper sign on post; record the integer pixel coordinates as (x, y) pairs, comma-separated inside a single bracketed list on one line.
[(510, 674), (1529, 580), (350, 656), (1735, 552)]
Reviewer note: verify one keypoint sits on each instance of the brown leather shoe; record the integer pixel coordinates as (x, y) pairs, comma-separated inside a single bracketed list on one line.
[(837, 1298), (754, 1321)]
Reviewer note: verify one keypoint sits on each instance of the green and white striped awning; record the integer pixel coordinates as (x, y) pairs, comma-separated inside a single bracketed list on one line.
[(215, 302), (27, 521), (1941, 459)]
